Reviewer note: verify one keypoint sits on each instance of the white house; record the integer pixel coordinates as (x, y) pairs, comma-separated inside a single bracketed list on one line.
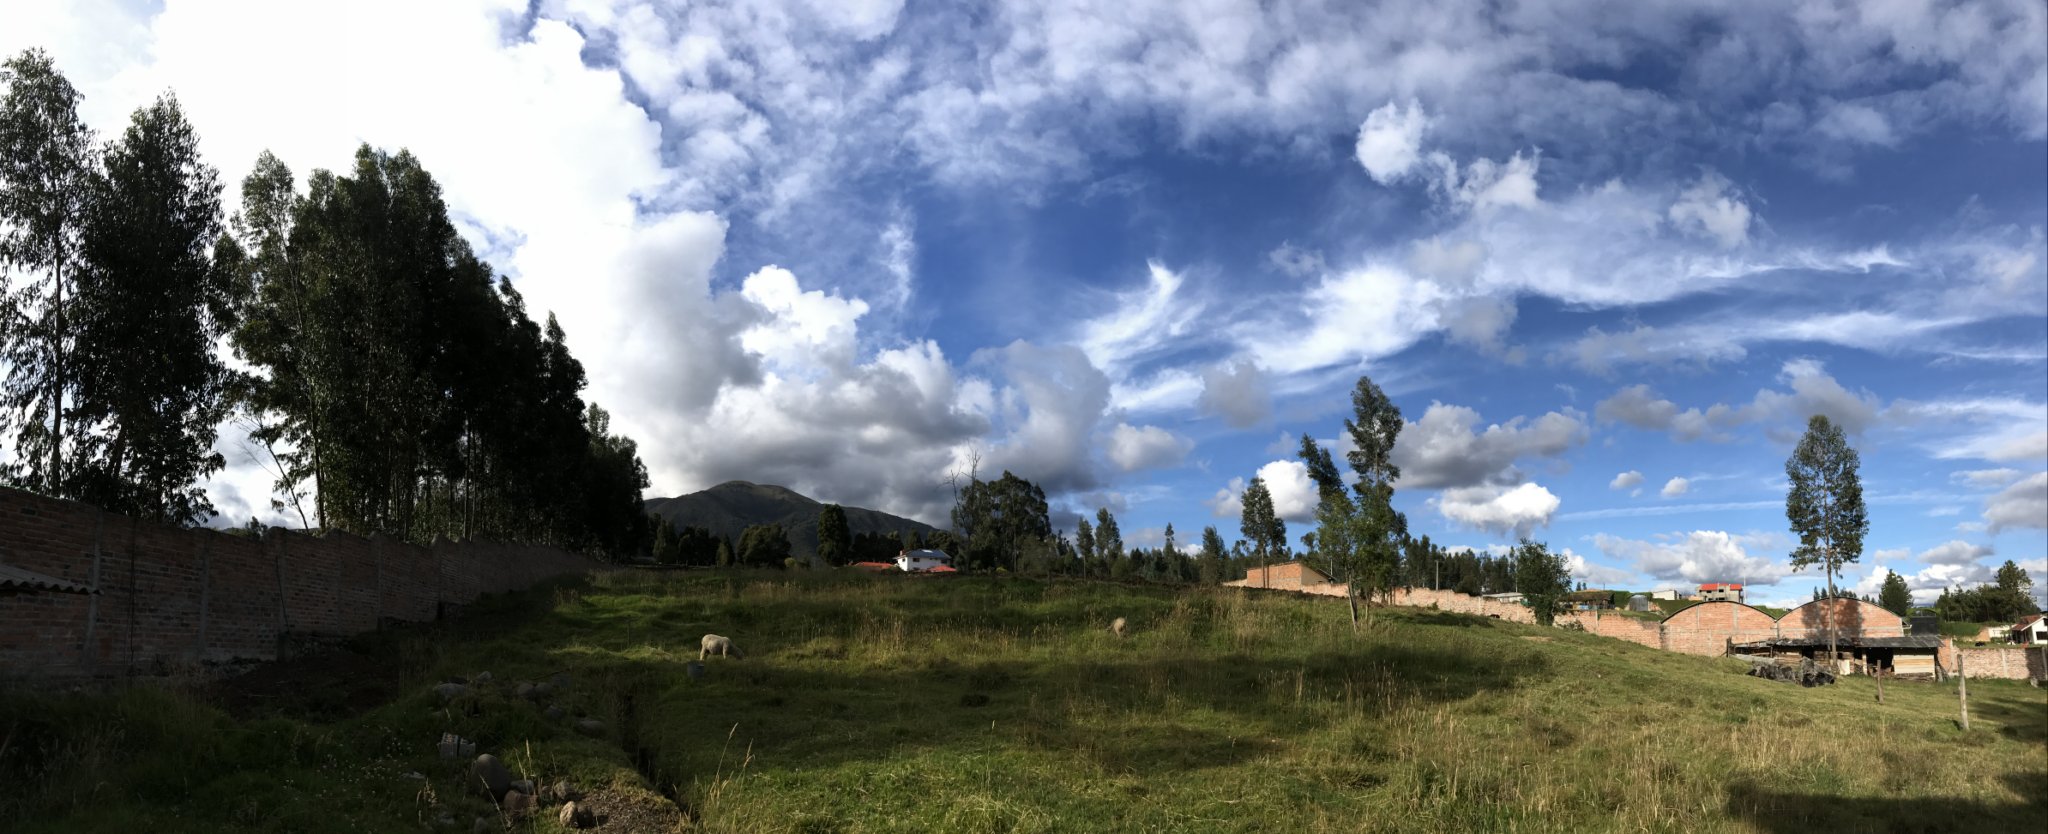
[(918, 560), (2031, 630), (1664, 593)]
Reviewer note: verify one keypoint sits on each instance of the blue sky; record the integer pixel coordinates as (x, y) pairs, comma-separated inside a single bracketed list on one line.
[(1607, 261)]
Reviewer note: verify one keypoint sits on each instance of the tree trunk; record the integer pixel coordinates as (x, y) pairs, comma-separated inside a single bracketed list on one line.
[(1351, 595)]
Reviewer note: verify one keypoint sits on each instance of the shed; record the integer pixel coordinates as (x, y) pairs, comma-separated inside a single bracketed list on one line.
[(1910, 656), (923, 560), (1639, 602), (1589, 600)]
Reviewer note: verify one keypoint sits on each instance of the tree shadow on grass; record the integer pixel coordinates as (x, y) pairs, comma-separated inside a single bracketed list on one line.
[(1783, 812), (2018, 718), (1450, 618)]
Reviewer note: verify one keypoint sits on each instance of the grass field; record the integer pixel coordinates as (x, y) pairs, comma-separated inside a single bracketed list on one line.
[(978, 704)]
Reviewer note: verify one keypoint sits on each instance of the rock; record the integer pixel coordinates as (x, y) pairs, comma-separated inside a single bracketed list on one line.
[(483, 677), (562, 792), (525, 786), (574, 815), (560, 680), (695, 669), (450, 691), (524, 690), (518, 804), (490, 774), (542, 691), (554, 713), (482, 825), (445, 820), (590, 727), (416, 776), (456, 747)]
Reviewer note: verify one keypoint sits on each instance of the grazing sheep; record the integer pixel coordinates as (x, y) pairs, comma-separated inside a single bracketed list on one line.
[(714, 644), (1116, 627)]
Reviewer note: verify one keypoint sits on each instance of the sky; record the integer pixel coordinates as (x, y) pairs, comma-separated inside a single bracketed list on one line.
[(1606, 259)]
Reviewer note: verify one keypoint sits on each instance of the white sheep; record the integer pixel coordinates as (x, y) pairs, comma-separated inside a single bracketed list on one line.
[(714, 644), (1116, 627)]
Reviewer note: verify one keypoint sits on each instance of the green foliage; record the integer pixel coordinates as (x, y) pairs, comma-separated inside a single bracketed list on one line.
[(1211, 563), (999, 518), (1543, 579), (150, 303), (2000, 603), (1109, 540), (764, 546), (45, 193), (1260, 525), (1825, 501), (835, 540)]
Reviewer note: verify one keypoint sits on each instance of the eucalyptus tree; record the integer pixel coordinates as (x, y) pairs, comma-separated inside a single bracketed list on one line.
[(1379, 530), (1262, 527), (835, 539), (150, 303), (1825, 504), (45, 184)]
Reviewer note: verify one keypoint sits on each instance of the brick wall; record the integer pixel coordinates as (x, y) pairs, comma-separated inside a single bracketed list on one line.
[(2009, 662), (172, 599), (1708, 628), (1849, 616), (1618, 626), (1463, 604)]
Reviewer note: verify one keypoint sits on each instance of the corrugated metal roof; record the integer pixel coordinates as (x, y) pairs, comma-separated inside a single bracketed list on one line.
[(15, 580), (1916, 641)]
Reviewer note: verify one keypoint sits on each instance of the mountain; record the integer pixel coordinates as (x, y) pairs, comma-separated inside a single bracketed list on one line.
[(731, 507)]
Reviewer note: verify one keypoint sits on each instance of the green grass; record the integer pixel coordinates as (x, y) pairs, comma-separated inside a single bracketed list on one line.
[(872, 704)]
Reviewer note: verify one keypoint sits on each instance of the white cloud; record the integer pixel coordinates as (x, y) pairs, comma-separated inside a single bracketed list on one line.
[(1133, 448), (1675, 487), (1237, 392), (1707, 208), (1294, 494), (1498, 509), (1595, 574), (1626, 480), (1813, 391), (1443, 448), (1390, 141), (2024, 504), (1955, 553), (1346, 317), (1985, 478), (1138, 322), (1697, 557)]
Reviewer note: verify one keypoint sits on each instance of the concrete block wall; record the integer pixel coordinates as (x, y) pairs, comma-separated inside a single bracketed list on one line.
[(174, 599), (1463, 604)]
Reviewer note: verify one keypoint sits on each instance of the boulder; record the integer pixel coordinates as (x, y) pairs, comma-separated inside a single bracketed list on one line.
[(490, 774), (576, 815), (450, 691), (542, 691), (481, 826), (525, 690), (560, 680), (525, 786), (554, 713), (517, 805), (590, 727)]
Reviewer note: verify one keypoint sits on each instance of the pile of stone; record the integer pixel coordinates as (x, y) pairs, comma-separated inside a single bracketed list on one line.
[(518, 799), (1805, 672)]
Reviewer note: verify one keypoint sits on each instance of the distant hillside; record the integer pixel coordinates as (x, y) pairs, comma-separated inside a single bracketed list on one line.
[(731, 507)]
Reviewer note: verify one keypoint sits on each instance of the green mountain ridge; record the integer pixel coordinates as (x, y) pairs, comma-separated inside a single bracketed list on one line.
[(728, 509)]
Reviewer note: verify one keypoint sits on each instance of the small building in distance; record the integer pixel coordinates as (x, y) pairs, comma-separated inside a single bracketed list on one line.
[(1510, 597), (1721, 592), (1639, 602), (914, 561), (1589, 600), (1292, 576), (1666, 593), (2031, 630)]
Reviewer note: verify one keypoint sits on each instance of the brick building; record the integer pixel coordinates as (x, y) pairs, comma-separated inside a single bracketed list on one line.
[(1290, 576)]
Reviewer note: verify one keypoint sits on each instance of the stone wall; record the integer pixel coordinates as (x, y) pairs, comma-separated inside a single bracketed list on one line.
[(173, 600)]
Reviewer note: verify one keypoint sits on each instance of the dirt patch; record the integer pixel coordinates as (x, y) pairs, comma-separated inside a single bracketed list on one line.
[(635, 812), (1534, 638)]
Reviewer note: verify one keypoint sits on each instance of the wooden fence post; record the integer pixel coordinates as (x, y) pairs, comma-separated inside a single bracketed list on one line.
[(1963, 690)]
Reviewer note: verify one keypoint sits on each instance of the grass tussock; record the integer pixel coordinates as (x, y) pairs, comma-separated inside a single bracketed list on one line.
[(872, 704)]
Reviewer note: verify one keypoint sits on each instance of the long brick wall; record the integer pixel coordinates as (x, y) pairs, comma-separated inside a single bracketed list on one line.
[(173, 600), (2009, 662)]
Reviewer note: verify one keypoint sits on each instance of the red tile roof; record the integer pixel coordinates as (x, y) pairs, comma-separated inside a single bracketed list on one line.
[(1720, 586)]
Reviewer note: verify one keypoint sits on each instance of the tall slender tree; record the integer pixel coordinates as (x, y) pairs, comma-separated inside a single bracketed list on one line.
[(45, 185), (1211, 565), (1261, 526), (1825, 505), (1379, 530), (149, 305), (835, 539), (1084, 544)]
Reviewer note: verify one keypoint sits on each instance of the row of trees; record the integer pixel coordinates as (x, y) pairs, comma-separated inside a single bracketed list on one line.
[(396, 384)]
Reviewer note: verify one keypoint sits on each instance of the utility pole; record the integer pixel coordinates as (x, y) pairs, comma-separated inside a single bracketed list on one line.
[(1963, 690)]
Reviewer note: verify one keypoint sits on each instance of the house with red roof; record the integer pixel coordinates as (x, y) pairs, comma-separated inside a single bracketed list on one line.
[(2031, 630), (1721, 592)]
